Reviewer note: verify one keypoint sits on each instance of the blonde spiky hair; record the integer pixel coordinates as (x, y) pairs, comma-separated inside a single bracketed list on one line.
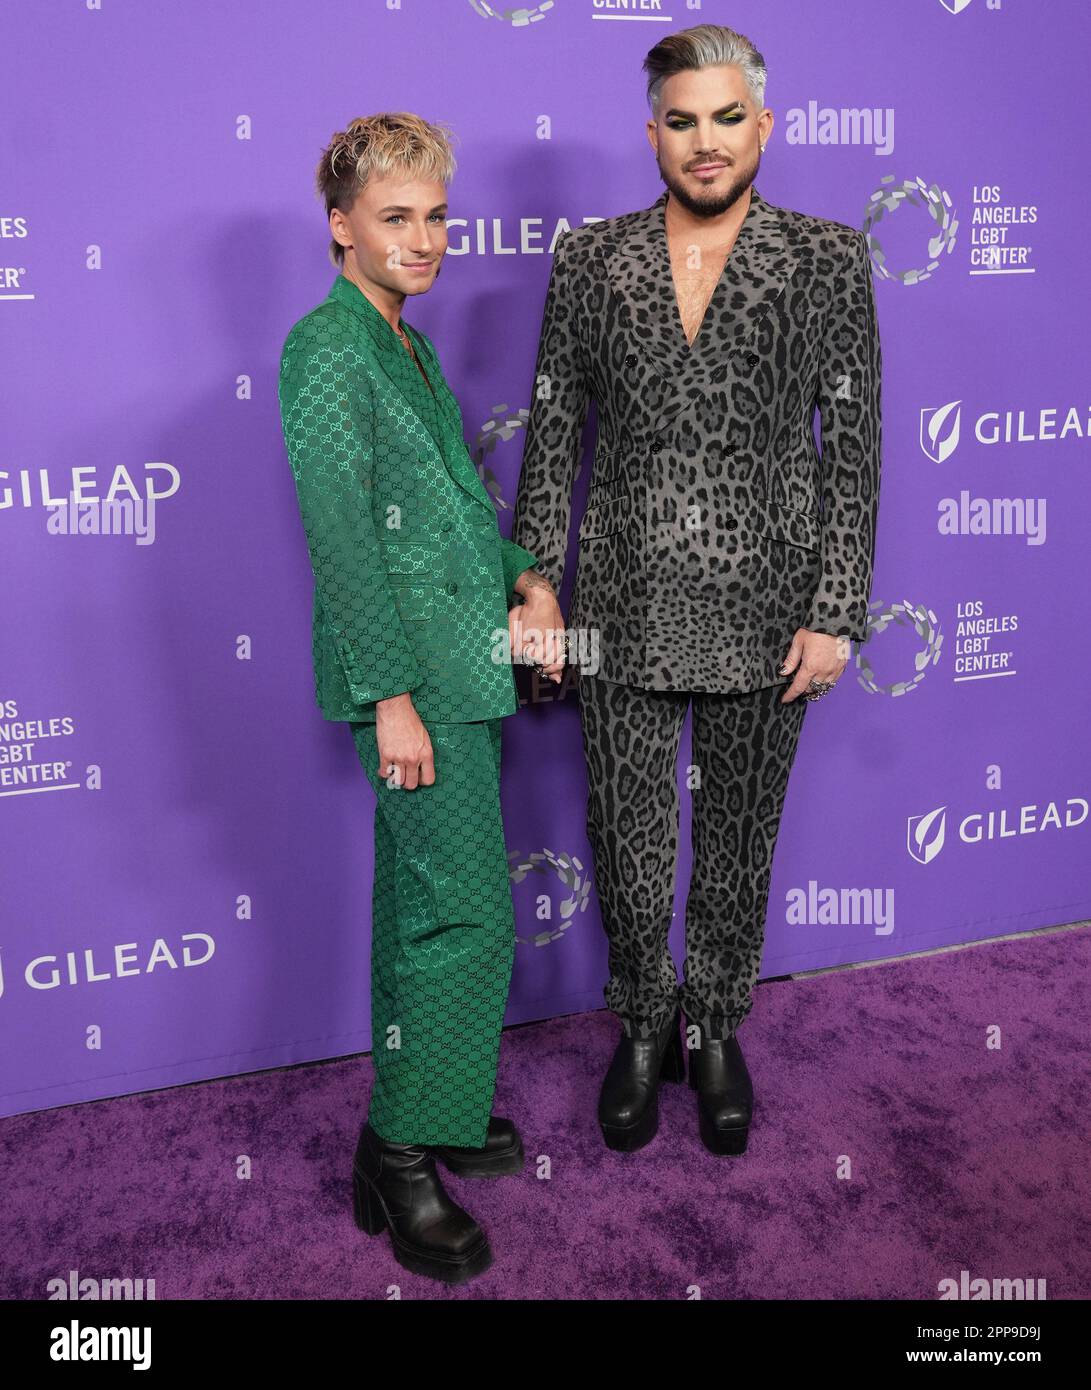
[(389, 143)]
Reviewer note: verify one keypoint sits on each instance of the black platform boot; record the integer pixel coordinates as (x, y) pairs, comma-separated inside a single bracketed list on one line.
[(725, 1094), (629, 1100), (503, 1153), (397, 1186)]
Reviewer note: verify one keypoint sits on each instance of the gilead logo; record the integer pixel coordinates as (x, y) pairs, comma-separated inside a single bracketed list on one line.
[(941, 427), (95, 963), (31, 488), (926, 835)]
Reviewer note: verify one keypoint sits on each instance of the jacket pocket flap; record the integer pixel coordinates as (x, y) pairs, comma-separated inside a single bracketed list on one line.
[(603, 518), (788, 524), (406, 556)]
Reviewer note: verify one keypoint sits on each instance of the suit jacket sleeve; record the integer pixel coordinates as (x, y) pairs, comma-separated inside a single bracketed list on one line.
[(327, 431), (850, 378), (561, 394), (516, 560)]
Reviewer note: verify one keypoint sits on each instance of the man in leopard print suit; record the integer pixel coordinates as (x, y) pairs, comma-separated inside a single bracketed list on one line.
[(722, 557)]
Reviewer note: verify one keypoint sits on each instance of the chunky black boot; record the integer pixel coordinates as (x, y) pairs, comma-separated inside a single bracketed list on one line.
[(629, 1100), (725, 1094), (397, 1186), (503, 1153)]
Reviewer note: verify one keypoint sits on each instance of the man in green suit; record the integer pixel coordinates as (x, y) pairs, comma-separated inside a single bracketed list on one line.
[(413, 584)]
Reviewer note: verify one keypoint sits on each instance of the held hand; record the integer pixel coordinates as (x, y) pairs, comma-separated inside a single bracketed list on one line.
[(405, 750), (820, 657), (536, 629)]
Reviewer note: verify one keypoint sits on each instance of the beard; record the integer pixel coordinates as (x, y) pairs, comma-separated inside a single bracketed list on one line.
[(711, 202)]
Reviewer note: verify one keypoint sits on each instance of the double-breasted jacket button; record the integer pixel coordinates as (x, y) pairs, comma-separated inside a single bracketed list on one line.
[(452, 588), (753, 359), (731, 522), (631, 359)]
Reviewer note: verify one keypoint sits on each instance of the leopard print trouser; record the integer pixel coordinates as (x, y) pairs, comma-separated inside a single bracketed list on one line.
[(743, 747)]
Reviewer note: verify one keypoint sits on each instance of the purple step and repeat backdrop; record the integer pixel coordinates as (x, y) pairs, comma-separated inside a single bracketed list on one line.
[(186, 844)]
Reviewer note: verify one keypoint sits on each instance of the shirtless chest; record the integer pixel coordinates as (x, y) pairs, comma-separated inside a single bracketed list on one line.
[(696, 271)]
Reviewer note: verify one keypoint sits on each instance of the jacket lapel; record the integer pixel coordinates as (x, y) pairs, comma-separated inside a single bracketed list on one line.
[(456, 455), (754, 276), (401, 373), (639, 271)]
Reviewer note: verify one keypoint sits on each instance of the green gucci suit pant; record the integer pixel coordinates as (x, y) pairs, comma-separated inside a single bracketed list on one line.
[(442, 939)]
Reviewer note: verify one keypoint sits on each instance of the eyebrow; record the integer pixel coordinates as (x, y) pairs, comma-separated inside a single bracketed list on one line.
[(732, 106), (397, 207)]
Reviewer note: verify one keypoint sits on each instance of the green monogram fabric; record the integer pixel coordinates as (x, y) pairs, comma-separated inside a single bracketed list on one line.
[(442, 940), (412, 578)]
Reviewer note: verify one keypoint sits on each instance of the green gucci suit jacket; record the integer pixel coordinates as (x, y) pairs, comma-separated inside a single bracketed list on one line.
[(413, 580)]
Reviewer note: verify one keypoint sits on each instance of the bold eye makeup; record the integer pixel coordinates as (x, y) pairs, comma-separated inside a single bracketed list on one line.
[(730, 115)]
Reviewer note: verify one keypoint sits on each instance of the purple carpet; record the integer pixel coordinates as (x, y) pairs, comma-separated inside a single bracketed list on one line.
[(892, 1147)]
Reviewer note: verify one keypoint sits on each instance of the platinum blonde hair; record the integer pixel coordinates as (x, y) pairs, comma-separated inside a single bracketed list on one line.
[(381, 146)]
